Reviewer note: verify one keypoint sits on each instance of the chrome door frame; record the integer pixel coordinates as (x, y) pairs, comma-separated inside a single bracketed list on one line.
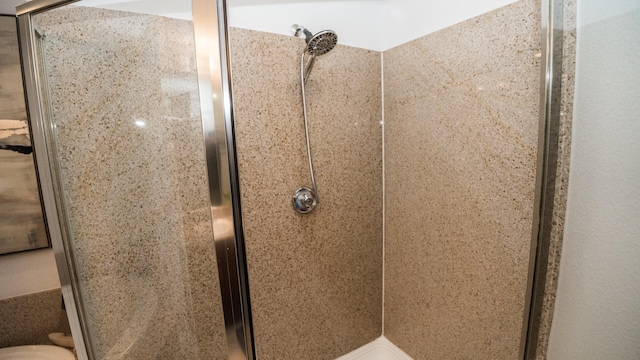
[(212, 52), (214, 81), (552, 26)]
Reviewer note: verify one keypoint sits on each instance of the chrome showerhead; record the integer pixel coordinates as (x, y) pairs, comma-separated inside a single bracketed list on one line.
[(322, 42), (318, 44)]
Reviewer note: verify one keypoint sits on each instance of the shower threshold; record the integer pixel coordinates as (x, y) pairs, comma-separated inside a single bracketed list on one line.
[(379, 349)]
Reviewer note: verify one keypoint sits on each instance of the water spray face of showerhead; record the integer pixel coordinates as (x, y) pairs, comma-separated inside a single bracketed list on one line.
[(322, 42)]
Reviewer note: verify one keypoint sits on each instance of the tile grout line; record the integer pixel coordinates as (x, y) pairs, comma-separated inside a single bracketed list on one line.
[(383, 185)]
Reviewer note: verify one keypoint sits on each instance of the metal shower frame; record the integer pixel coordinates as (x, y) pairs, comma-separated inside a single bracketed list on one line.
[(552, 37), (214, 82)]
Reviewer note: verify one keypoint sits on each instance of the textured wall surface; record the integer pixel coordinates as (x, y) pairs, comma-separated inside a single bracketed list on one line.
[(315, 279), (129, 140), (28, 319), (461, 130)]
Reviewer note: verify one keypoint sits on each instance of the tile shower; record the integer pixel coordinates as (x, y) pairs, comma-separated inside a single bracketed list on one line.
[(458, 111)]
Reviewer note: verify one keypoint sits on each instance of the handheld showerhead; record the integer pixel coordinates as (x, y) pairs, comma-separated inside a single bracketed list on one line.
[(305, 199), (318, 44), (322, 42)]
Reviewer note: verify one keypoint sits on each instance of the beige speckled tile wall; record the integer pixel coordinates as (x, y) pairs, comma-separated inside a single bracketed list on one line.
[(461, 130), (562, 173), (316, 280), (125, 103), (28, 319)]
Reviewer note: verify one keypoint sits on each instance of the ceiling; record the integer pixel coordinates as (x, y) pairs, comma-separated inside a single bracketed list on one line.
[(370, 24), (8, 7)]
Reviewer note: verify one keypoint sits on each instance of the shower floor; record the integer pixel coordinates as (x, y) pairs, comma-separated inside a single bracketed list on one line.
[(379, 349)]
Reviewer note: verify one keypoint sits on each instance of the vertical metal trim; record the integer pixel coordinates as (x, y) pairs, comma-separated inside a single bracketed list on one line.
[(384, 192), (212, 53), (41, 129), (241, 267), (551, 72)]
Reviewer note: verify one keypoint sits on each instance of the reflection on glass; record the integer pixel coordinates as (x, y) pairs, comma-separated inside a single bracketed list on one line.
[(123, 99), (21, 221)]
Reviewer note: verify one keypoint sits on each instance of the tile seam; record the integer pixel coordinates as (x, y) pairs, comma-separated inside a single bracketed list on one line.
[(383, 186)]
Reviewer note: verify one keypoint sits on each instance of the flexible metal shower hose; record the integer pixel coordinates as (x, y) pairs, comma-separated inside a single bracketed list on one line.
[(306, 125)]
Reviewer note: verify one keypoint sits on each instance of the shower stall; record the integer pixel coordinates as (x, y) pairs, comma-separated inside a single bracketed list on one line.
[(170, 137)]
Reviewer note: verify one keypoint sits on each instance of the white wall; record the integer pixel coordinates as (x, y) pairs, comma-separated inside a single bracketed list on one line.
[(8, 7), (597, 313), (375, 24), (405, 20), (370, 24), (357, 23), (27, 272)]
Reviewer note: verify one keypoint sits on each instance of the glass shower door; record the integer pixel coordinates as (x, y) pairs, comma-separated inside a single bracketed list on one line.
[(122, 124)]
